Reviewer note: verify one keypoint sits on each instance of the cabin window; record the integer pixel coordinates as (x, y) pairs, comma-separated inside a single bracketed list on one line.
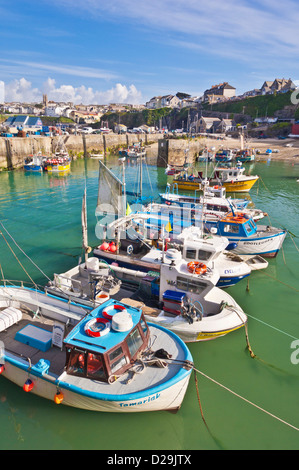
[(204, 255), (196, 287), (231, 228), (144, 326), (247, 227), (134, 341), (76, 362), (117, 359), (191, 254), (95, 367)]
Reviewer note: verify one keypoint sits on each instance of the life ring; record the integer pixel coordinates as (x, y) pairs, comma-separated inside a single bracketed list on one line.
[(196, 267), (104, 327), (111, 310)]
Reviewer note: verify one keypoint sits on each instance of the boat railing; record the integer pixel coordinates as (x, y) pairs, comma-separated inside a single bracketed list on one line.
[(66, 284), (20, 283)]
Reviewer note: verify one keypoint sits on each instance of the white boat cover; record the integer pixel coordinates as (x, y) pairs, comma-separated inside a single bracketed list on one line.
[(8, 317)]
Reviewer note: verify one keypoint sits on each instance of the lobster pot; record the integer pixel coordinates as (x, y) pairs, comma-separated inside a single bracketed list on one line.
[(173, 301)]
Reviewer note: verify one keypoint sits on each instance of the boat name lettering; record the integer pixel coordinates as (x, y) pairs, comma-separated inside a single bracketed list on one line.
[(141, 402), (229, 271), (256, 243)]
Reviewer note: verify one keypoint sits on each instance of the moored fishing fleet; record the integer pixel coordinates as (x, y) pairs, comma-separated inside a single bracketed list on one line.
[(110, 334)]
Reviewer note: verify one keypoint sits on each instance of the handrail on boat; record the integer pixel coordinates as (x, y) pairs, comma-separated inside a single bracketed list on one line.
[(13, 282)]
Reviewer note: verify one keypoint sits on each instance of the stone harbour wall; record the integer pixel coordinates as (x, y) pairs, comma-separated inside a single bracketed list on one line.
[(13, 150)]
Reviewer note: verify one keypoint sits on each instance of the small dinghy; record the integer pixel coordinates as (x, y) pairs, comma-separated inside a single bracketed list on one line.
[(107, 359)]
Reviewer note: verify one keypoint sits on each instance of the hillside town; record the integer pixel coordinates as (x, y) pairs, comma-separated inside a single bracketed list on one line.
[(30, 118)]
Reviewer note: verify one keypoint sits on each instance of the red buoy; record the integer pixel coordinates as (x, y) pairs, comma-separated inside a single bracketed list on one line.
[(28, 385), (112, 247), (1, 368)]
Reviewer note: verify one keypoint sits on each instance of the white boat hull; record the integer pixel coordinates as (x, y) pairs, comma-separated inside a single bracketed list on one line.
[(267, 246), (169, 398)]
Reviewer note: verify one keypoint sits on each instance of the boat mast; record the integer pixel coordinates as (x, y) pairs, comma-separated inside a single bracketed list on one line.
[(84, 228)]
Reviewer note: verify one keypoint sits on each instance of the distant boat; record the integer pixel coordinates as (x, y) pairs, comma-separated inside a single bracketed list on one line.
[(224, 156), (134, 151), (212, 203), (60, 162), (245, 156), (35, 162), (233, 179)]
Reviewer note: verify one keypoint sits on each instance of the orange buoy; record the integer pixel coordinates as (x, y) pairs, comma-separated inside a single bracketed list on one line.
[(28, 385), (196, 267), (58, 397)]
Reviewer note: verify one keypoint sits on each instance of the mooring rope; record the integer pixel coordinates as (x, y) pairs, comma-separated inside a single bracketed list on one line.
[(24, 252), (246, 400), (18, 259)]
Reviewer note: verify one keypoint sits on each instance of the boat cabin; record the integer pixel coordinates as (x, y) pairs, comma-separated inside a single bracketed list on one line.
[(239, 226), (177, 277), (226, 174), (105, 342)]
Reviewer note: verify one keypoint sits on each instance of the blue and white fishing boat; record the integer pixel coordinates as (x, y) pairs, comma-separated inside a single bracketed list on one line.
[(224, 155), (35, 162), (251, 239), (101, 360), (245, 155)]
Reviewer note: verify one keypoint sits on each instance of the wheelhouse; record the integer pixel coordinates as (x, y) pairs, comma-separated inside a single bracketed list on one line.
[(104, 357), (237, 226)]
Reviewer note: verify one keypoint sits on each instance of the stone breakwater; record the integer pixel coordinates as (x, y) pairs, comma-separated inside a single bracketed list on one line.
[(13, 150)]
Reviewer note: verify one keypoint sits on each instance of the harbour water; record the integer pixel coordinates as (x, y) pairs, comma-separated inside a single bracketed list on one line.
[(247, 402)]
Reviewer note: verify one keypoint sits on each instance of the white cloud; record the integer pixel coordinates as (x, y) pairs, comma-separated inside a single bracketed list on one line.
[(22, 90)]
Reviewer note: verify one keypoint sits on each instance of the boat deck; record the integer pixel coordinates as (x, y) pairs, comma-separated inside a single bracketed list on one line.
[(54, 354)]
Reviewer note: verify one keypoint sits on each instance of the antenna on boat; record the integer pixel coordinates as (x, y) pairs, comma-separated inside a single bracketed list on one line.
[(85, 246)]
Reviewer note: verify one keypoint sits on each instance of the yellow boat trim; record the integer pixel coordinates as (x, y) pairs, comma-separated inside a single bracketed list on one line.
[(236, 186), (212, 335)]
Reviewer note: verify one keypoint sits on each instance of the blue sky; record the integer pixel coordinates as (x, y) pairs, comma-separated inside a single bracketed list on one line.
[(95, 51)]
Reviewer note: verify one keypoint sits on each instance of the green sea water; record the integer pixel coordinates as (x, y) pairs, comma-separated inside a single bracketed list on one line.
[(247, 403)]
